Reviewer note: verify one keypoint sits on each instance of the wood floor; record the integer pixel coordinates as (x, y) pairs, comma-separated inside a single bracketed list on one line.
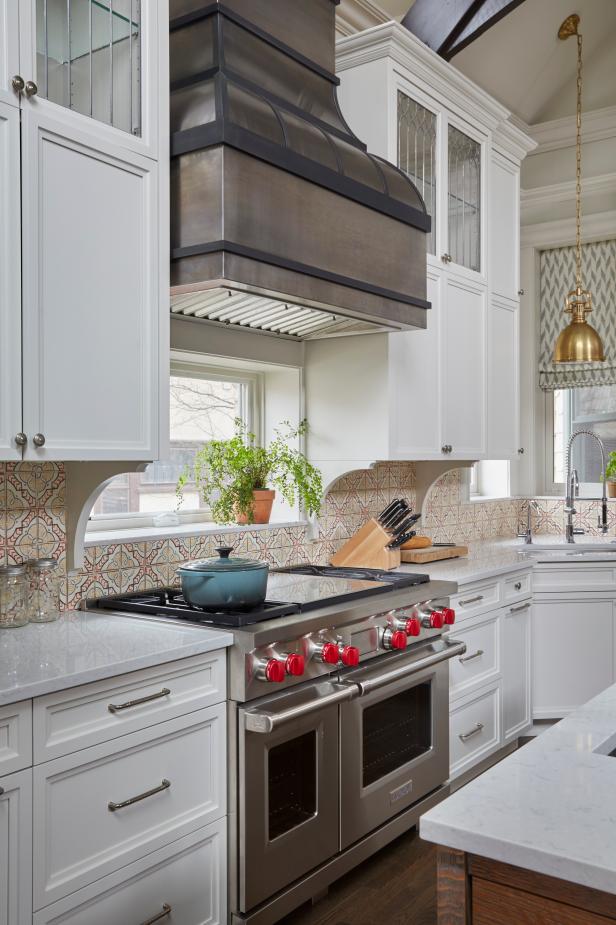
[(395, 887)]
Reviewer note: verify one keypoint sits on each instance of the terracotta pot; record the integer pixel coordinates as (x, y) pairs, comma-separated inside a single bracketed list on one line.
[(611, 488), (261, 507)]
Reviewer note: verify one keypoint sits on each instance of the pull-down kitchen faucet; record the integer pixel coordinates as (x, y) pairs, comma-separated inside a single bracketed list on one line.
[(573, 488)]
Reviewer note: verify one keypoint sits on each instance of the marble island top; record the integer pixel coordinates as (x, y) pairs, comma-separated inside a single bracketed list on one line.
[(83, 647), (550, 807)]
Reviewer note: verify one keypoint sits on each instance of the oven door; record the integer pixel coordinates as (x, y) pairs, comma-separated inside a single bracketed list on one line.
[(394, 737), (288, 788)]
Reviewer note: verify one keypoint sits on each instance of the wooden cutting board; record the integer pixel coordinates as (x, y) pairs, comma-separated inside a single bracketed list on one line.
[(433, 553)]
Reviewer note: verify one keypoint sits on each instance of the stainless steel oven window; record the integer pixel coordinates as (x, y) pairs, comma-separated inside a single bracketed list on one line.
[(292, 783), (396, 731)]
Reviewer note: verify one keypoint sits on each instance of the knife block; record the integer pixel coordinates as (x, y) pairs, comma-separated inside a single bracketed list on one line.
[(368, 549)]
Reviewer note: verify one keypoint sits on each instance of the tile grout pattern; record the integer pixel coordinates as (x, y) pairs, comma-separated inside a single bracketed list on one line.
[(33, 524)]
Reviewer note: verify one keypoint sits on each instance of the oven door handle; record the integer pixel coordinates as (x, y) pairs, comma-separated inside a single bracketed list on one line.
[(265, 722), (451, 648)]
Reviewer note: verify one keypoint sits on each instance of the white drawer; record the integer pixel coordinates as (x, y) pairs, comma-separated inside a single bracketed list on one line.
[(71, 720), (517, 586), (480, 664), (575, 575), (474, 729), (79, 837), (476, 599), (189, 876), (15, 737)]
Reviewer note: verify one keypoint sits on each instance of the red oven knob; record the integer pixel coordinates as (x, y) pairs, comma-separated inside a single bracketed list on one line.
[(330, 653), (434, 620), (274, 670), (350, 656), (412, 627), (394, 639), (294, 664), (450, 615)]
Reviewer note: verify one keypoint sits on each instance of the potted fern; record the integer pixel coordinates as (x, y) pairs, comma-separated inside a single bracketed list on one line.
[(610, 475), (238, 479)]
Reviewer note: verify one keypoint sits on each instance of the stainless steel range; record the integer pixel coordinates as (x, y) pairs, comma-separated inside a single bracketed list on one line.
[(338, 723)]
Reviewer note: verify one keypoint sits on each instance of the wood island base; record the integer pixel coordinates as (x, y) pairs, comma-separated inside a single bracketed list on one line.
[(474, 890)]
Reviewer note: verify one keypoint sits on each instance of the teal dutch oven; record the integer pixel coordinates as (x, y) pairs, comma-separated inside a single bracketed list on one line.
[(224, 583)]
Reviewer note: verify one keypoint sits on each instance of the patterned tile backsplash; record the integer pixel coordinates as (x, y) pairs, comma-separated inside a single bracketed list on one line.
[(32, 524)]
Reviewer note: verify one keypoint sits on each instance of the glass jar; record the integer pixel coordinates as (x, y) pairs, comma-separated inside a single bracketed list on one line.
[(44, 598), (13, 596)]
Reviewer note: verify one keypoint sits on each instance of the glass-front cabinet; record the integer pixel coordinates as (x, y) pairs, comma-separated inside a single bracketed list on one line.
[(445, 160)]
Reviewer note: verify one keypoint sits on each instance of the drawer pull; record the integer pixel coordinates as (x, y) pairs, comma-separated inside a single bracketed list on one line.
[(469, 658), (521, 607), (1, 791), (116, 707), (165, 784), (518, 586), (166, 910), (467, 735), (471, 600)]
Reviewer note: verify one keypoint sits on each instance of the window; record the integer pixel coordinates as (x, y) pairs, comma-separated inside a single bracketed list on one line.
[(570, 410), (204, 402), (489, 479)]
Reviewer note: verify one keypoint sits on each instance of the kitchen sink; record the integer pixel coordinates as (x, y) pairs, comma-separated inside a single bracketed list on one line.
[(572, 550)]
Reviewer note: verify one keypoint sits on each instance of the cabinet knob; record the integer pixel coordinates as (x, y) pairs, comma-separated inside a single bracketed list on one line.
[(31, 88), (38, 440), (18, 83), (446, 448), (521, 451), (446, 258), (21, 439), (520, 292)]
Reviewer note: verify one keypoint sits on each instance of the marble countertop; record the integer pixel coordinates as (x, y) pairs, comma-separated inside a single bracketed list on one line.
[(82, 647), (550, 807)]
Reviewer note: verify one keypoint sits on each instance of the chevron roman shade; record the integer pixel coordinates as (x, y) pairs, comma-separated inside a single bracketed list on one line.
[(557, 277)]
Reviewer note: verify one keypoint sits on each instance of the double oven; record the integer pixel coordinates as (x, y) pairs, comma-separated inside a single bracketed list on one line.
[(326, 767)]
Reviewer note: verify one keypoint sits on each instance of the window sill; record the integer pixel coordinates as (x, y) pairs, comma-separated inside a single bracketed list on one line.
[(478, 498), (152, 534)]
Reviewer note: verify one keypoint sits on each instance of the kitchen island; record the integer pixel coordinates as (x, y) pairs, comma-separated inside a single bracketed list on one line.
[(533, 839)]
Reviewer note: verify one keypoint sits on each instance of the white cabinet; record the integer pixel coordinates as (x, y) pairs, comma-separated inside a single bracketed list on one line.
[(16, 849), (573, 655), (503, 393), (516, 669), (9, 50), (94, 251), (454, 388)]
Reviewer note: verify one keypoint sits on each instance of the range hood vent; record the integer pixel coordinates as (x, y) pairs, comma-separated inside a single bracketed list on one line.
[(271, 193)]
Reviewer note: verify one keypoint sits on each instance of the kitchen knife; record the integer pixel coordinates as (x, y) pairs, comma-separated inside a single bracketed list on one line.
[(404, 525), (400, 510), (400, 540), (385, 513), (400, 516)]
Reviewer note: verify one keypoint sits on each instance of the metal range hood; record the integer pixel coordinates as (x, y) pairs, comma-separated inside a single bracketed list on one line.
[(280, 219)]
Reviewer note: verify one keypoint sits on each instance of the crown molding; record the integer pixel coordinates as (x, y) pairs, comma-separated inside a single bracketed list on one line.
[(356, 15), (556, 193), (597, 124), (510, 138), (599, 226), (439, 77)]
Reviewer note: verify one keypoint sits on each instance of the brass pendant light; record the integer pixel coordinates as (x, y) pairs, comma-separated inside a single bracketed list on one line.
[(579, 342)]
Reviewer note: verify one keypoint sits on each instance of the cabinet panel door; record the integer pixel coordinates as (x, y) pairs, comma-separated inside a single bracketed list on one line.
[(572, 653), (463, 369), (415, 385), (91, 295), (9, 51), (516, 669), (503, 379), (16, 849), (10, 283), (504, 218)]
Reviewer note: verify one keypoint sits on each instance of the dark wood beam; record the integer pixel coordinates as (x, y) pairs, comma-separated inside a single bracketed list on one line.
[(448, 26)]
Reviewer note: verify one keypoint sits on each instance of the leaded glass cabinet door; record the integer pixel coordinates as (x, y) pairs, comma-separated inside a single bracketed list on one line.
[(417, 145), (88, 58), (464, 200)]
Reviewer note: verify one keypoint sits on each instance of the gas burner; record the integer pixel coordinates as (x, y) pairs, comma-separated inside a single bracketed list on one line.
[(169, 602)]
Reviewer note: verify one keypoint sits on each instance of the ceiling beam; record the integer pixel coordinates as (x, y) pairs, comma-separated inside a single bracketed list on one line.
[(450, 25)]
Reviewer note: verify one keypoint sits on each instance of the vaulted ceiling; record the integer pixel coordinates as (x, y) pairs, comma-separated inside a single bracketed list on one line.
[(521, 62)]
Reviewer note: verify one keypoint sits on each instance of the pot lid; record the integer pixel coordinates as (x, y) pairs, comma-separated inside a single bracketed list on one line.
[(224, 562)]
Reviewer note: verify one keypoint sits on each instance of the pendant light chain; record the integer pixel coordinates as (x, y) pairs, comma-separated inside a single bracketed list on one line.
[(578, 171)]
